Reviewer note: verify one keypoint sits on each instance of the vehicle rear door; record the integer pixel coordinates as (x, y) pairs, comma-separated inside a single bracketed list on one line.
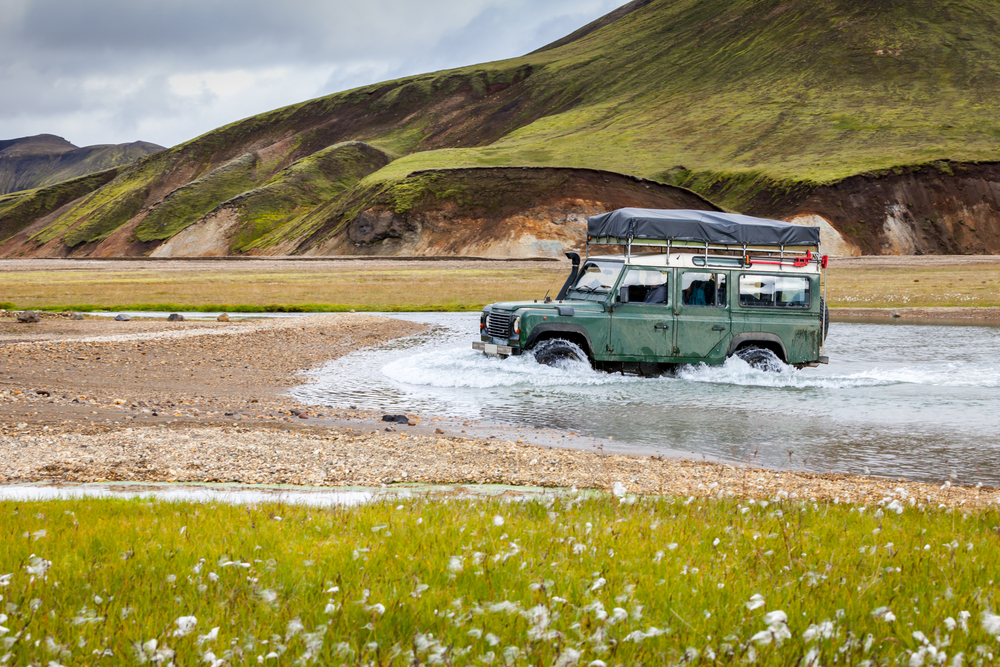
[(703, 321)]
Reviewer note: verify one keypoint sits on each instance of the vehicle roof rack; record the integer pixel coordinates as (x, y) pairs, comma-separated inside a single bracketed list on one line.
[(681, 227)]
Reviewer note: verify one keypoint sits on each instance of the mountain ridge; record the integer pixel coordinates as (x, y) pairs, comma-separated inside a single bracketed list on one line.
[(41, 160), (767, 104)]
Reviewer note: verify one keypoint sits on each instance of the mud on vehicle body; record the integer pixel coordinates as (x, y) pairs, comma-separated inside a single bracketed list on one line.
[(718, 285)]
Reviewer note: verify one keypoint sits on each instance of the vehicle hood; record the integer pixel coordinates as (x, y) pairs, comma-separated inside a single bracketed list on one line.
[(579, 305)]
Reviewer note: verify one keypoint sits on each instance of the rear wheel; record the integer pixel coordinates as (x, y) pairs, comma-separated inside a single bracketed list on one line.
[(554, 351), (761, 359)]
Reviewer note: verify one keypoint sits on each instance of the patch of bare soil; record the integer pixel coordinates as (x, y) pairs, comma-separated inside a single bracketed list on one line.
[(500, 212)]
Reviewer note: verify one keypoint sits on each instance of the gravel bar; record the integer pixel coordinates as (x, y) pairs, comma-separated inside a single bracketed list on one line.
[(143, 401)]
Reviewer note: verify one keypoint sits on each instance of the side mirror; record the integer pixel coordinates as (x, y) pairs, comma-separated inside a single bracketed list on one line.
[(623, 294)]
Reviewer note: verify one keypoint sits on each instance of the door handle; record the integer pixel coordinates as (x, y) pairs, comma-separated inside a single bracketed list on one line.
[(660, 326), (718, 327)]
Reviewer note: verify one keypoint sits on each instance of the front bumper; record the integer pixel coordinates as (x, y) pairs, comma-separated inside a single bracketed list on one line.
[(492, 350)]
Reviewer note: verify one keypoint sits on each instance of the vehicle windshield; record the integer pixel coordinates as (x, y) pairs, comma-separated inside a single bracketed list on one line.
[(598, 277)]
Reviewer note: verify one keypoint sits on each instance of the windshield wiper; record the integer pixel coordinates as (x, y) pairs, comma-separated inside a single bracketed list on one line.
[(587, 290)]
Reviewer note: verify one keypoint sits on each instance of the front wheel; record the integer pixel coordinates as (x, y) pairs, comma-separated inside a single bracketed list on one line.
[(556, 351)]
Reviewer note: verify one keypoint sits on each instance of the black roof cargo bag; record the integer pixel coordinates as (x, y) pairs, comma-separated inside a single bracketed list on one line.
[(701, 226)]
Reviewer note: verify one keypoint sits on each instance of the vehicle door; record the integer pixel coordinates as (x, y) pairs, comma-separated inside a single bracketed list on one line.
[(641, 323), (702, 310)]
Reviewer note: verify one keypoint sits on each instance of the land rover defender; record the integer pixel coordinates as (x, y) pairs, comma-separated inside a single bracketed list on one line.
[(710, 286)]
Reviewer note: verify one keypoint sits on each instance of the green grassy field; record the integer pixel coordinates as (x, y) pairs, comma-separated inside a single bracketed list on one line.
[(384, 289), (403, 288), (564, 580)]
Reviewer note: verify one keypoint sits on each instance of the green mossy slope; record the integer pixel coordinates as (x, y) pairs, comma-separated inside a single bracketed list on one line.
[(19, 210), (298, 189), (747, 95)]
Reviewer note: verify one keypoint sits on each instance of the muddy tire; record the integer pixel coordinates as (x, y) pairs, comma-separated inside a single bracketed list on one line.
[(553, 351), (761, 359)]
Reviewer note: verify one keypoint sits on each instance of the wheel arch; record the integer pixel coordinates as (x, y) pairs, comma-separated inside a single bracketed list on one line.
[(572, 332), (770, 341)]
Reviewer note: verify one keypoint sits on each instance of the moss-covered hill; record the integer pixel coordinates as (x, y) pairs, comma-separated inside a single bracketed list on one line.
[(759, 104), (45, 159)]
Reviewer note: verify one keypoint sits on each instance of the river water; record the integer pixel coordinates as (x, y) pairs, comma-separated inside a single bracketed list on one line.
[(917, 401)]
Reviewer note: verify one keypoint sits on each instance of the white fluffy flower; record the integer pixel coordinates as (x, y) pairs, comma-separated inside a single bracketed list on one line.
[(210, 636), (756, 602), (991, 623), (773, 617), (185, 625)]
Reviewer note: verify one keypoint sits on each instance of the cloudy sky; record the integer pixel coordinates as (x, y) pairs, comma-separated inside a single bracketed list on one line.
[(114, 71)]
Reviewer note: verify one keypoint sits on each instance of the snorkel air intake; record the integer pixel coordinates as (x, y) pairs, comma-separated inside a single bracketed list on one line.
[(575, 258)]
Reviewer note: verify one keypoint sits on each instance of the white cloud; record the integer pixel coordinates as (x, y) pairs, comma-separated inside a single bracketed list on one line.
[(111, 71)]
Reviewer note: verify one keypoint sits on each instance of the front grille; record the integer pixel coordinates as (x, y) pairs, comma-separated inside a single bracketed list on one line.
[(499, 325)]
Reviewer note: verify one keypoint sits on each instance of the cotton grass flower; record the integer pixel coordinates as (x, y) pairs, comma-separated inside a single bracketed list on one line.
[(567, 658), (185, 626), (777, 629), (991, 623), (293, 628), (210, 636), (824, 630), (37, 567), (756, 602), (498, 520)]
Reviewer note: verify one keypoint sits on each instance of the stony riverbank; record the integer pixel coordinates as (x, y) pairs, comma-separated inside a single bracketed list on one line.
[(202, 402)]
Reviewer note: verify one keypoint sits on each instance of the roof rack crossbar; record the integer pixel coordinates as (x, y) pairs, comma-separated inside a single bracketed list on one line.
[(702, 246)]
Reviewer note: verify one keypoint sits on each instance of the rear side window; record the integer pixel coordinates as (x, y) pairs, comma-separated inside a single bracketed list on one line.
[(703, 289), (758, 291)]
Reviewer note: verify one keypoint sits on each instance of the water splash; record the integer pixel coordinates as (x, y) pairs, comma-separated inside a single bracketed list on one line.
[(902, 400)]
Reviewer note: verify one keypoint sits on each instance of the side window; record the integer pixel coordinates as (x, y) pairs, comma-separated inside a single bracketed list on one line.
[(598, 277), (774, 291), (647, 285), (703, 289)]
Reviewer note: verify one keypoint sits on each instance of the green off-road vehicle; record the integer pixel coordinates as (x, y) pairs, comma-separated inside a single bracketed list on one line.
[(709, 286)]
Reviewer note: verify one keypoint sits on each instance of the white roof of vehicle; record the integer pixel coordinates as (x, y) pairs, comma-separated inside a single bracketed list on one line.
[(696, 261)]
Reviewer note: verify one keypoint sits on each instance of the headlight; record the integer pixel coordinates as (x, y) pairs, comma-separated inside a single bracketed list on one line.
[(484, 321), (516, 325)]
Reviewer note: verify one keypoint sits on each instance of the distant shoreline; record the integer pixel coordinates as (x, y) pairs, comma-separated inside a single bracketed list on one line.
[(968, 316)]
